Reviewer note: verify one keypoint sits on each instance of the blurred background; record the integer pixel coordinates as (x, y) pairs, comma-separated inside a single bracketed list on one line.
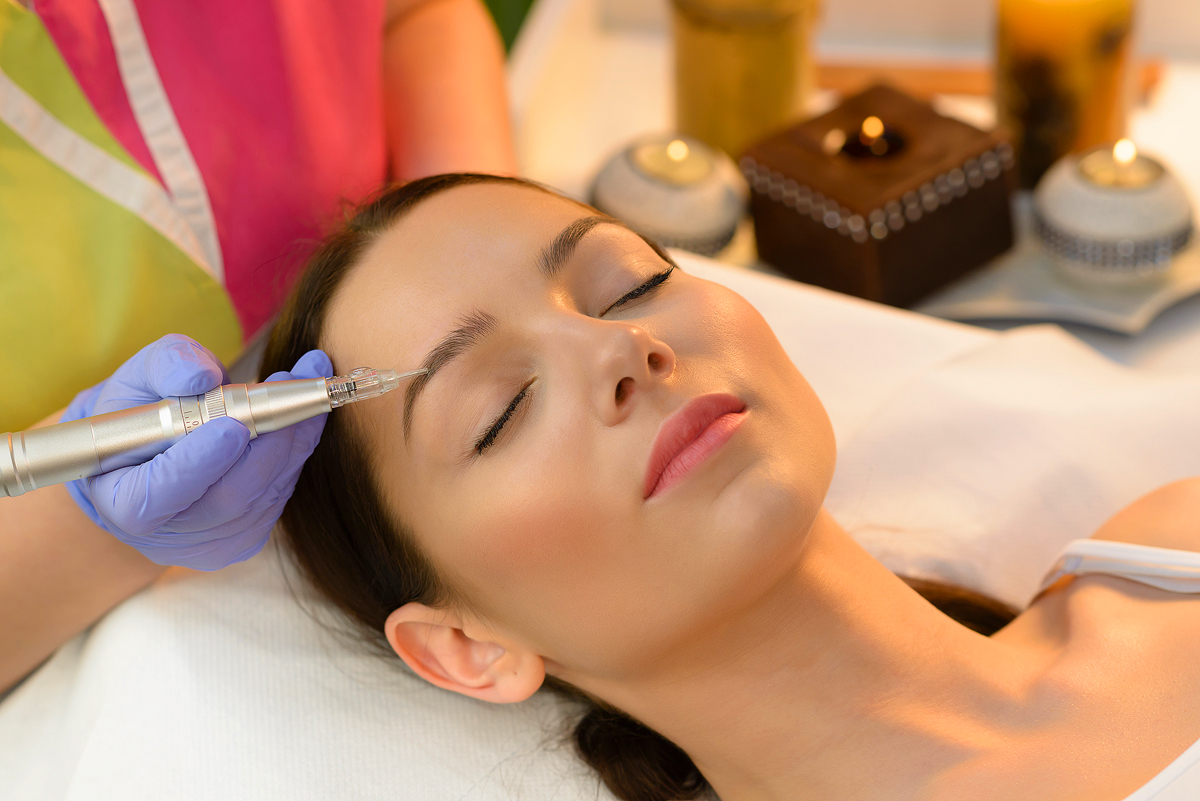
[(942, 28), (964, 27), (591, 80), (573, 62)]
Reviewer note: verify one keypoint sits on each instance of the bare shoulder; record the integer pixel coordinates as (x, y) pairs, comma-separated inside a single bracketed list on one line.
[(1168, 517)]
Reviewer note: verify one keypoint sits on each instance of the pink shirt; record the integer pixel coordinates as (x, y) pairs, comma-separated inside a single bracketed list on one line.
[(281, 103)]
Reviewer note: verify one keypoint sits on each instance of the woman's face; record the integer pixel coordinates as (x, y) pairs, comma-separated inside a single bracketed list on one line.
[(561, 346)]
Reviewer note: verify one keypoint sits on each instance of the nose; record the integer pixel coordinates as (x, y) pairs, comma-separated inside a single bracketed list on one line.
[(628, 362)]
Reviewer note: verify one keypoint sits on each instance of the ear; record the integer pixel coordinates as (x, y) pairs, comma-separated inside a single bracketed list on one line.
[(432, 642)]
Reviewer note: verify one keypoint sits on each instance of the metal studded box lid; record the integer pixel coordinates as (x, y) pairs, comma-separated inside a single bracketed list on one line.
[(882, 197)]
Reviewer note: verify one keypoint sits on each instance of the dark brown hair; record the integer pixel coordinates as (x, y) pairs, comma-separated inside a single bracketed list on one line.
[(368, 564)]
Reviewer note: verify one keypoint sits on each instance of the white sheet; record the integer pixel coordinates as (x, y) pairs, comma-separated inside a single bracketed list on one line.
[(980, 470), (964, 453)]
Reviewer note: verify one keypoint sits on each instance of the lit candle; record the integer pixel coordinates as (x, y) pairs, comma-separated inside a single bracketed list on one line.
[(1119, 166), (675, 162), (873, 139), (872, 129), (1112, 215)]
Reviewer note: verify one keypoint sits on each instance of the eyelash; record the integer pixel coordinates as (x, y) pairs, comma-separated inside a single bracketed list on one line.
[(652, 284), (486, 441)]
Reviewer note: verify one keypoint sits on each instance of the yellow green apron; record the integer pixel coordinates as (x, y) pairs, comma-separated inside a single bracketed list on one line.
[(95, 262)]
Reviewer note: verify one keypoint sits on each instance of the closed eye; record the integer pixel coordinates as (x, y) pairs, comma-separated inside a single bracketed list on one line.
[(650, 285), (494, 430), (489, 437)]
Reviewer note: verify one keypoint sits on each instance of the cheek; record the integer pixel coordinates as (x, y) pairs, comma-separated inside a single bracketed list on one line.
[(559, 554), (535, 539), (711, 322), (532, 532)]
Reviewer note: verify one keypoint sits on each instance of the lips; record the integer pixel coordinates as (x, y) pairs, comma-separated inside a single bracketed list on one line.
[(689, 436)]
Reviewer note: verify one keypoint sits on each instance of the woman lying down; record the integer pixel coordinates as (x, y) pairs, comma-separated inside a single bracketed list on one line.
[(611, 481)]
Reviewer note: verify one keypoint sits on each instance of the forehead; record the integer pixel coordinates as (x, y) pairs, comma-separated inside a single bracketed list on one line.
[(466, 247)]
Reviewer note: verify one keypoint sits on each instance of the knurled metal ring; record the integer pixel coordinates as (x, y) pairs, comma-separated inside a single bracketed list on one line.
[(214, 403)]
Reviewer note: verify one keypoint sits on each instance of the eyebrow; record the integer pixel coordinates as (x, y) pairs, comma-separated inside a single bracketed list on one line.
[(478, 325), (475, 327), (555, 255)]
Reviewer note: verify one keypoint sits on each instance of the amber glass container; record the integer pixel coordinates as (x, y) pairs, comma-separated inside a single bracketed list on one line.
[(1063, 77), (743, 68)]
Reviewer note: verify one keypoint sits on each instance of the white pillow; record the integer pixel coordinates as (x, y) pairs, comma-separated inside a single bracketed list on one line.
[(219, 686), (963, 453)]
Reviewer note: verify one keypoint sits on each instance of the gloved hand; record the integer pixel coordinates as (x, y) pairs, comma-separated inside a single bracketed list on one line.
[(210, 499)]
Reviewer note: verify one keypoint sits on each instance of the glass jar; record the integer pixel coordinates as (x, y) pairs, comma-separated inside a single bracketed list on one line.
[(743, 68)]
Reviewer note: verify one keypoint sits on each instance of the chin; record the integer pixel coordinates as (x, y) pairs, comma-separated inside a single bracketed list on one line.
[(764, 517)]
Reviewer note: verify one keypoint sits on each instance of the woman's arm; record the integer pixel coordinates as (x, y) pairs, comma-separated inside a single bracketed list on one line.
[(445, 101), (59, 573)]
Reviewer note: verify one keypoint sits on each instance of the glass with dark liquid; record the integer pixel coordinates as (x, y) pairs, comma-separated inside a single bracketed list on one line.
[(1062, 77)]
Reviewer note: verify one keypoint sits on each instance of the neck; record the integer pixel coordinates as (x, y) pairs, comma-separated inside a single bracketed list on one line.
[(841, 682)]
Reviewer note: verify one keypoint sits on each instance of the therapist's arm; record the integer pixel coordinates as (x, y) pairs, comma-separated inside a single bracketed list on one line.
[(445, 101), (59, 573)]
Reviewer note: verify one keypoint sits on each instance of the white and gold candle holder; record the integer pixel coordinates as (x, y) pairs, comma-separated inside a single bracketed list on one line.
[(674, 189), (1112, 215)]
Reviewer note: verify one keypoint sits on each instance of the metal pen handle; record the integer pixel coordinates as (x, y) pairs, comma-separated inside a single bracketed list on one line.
[(93, 445)]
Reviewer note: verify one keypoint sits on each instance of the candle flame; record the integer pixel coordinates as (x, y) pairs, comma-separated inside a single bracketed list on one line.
[(1124, 152), (677, 150), (872, 128)]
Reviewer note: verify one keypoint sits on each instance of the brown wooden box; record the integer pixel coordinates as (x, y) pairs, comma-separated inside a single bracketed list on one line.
[(891, 229)]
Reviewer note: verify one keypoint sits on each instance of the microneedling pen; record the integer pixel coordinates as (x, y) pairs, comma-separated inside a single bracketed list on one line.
[(93, 445)]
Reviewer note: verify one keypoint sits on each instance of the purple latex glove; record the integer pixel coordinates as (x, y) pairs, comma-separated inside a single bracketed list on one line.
[(210, 499)]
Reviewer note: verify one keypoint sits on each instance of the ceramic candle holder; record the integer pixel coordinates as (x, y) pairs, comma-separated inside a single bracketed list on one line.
[(675, 190), (1112, 216)]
